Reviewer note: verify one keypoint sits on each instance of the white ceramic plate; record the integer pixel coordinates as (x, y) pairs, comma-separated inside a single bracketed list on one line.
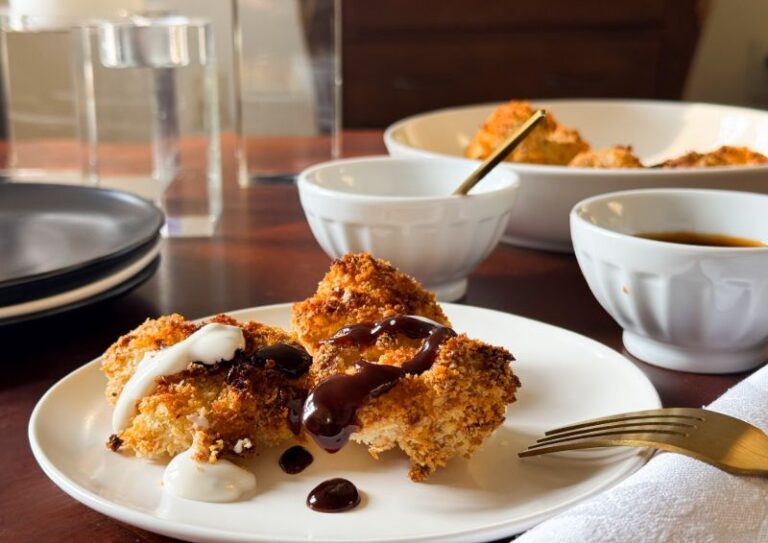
[(657, 131), (566, 377), (81, 293)]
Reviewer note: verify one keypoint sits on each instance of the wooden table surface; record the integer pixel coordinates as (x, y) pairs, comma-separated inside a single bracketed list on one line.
[(263, 253)]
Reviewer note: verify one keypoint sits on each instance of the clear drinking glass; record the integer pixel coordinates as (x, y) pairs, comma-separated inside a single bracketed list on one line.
[(40, 99), (287, 78), (150, 115)]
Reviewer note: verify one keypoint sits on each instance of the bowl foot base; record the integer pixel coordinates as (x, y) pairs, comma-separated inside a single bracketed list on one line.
[(450, 291), (533, 243), (696, 360)]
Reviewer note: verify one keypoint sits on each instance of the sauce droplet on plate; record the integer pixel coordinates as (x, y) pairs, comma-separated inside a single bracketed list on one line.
[(333, 496), (295, 460)]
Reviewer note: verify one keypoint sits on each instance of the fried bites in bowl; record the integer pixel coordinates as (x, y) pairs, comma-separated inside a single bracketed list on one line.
[(662, 136), (548, 143)]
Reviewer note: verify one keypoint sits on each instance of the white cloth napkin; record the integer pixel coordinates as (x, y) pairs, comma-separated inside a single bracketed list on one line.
[(674, 498)]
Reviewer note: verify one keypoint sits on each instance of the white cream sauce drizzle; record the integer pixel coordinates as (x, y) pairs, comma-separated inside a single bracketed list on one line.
[(202, 481), (210, 344)]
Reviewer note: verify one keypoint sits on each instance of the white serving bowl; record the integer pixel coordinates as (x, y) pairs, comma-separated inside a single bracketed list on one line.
[(402, 210), (683, 307), (656, 130)]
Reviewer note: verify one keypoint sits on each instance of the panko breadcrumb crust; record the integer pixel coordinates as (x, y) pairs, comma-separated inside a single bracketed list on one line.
[(549, 143), (619, 156), (359, 288), (724, 156), (234, 418), (448, 410)]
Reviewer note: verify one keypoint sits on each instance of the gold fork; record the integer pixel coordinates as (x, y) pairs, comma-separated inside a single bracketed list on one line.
[(725, 442)]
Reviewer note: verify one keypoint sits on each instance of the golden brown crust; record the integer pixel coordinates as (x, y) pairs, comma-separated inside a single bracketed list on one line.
[(723, 156), (234, 415), (619, 156), (548, 143), (120, 360), (555, 144), (445, 412), (359, 288)]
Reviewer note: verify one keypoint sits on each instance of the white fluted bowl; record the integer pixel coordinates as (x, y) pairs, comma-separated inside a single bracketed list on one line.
[(683, 307), (402, 210)]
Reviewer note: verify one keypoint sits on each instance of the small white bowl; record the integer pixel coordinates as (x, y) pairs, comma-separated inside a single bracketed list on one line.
[(656, 130), (402, 210), (683, 307)]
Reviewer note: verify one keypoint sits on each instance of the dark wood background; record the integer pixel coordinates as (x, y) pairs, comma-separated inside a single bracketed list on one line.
[(402, 57)]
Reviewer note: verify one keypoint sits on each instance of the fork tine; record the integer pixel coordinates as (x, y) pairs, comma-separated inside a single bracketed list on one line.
[(673, 413), (642, 425), (648, 434), (607, 441)]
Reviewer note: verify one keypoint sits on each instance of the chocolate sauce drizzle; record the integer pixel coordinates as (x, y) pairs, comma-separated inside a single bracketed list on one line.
[(295, 404), (330, 410), (333, 496)]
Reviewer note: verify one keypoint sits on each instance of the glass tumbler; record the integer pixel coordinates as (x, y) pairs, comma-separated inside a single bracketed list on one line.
[(150, 115), (42, 138), (287, 78)]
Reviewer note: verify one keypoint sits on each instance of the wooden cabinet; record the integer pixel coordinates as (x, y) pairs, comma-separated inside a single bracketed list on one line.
[(402, 57)]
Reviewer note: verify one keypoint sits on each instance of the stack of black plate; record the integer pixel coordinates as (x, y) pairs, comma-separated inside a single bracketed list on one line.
[(65, 246)]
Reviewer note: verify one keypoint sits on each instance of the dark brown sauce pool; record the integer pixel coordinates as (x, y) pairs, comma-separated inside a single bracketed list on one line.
[(696, 238), (295, 460), (333, 496)]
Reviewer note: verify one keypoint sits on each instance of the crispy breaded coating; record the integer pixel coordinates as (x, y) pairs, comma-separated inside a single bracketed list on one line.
[(548, 143), (359, 288), (120, 360), (724, 156), (619, 156), (445, 412), (238, 407)]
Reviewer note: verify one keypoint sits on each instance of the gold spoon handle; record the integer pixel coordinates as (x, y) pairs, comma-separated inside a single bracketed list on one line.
[(500, 153)]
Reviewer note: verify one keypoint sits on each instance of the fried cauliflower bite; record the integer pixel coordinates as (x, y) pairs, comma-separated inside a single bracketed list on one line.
[(548, 143), (724, 156), (359, 288), (235, 407), (619, 156), (445, 412)]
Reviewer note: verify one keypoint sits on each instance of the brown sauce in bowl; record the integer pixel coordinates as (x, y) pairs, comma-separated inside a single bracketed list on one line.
[(698, 238)]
